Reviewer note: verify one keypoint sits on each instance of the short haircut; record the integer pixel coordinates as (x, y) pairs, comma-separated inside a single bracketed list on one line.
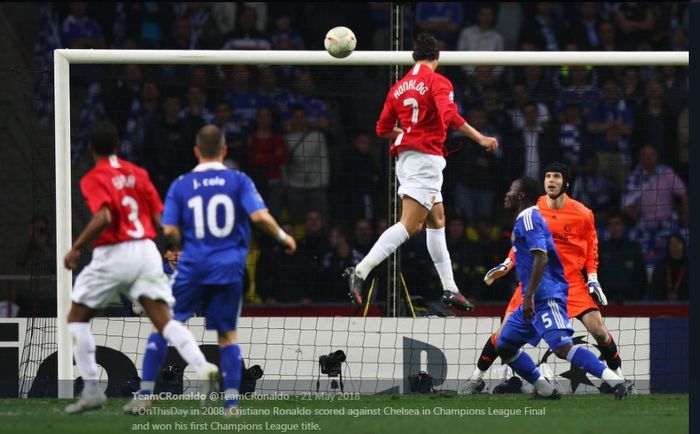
[(531, 187), (210, 141), (425, 47), (103, 138)]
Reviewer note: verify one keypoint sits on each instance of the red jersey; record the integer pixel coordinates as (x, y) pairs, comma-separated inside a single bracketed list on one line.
[(423, 102), (128, 192)]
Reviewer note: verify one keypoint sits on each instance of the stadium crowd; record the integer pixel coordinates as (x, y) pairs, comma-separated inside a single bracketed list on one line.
[(623, 130)]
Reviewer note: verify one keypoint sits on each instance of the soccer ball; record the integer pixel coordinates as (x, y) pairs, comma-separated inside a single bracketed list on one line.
[(340, 42)]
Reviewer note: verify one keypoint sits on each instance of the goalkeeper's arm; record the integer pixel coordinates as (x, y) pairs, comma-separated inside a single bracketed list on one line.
[(499, 270), (264, 220)]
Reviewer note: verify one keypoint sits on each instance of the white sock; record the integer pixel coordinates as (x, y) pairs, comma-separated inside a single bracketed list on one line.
[(437, 247), (84, 353), (543, 387), (478, 374), (610, 377), (184, 342), (387, 244)]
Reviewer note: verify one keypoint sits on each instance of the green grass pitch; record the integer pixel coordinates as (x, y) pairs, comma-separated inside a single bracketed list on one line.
[(385, 414)]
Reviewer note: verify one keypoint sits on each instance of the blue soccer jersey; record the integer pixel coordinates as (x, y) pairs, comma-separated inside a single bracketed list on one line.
[(211, 206), (531, 233)]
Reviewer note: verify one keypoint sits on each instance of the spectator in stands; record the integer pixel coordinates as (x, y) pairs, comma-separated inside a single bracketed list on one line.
[(442, 19), (670, 279), (607, 35), (581, 90), (168, 146), (364, 238), (533, 146), (610, 126), (79, 30), (650, 191), (148, 22), (267, 155), (508, 22), (632, 90), (284, 37), (195, 108), (244, 100), (334, 287), (636, 22), (310, 251), (120, 97), (308, 167), (679, 39), (276, 278), (481, 37), (476, 172), (621, 269), (675, 86), (593, 189), (304, 94), (584, 30), (542, 28), (181, 35), (572, 134), (477, 83), (495, 113), (520, 97), (234, 133), (246, 36), (657, 125), (142, 113), (357, 182)]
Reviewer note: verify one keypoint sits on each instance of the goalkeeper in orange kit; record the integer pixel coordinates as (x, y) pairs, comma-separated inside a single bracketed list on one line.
[(573, 229)]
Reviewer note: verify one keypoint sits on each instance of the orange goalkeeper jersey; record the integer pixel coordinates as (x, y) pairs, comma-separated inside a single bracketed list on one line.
[(575, 237)]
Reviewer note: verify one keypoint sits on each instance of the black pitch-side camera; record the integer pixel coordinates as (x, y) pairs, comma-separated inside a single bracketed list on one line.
[(331, 364)]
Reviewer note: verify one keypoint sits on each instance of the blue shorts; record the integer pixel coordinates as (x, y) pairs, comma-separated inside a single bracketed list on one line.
[(551, 323), (221, 303)]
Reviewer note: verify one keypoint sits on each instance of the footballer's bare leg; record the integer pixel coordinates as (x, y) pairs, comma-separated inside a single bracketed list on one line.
[(413, 216), (176, 333), (595, 325), (488, 356), (437, 247), (84, 349)]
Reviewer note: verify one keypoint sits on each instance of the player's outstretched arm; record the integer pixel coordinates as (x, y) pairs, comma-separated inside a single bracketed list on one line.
[(488, 143), (264, 220), (98, 223)]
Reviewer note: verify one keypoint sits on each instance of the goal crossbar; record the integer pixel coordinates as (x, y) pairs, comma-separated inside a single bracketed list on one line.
[(64, 57)]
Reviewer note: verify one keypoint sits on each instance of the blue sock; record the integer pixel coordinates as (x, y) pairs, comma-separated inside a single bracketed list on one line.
[(584, 359), (156, 352), (231, 363), (523, 365)]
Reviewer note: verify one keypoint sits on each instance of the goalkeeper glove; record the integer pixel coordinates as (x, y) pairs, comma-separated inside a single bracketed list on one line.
[(595, 289), (498, 271)]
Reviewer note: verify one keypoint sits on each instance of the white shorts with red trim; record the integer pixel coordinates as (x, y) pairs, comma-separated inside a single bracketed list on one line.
[(133, 268), (420, 177)]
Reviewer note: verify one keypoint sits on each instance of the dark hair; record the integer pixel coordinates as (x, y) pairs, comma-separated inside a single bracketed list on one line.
[(680, 238), (297, 107), (210, 141), (531, 187), (425, 47), (558, 167), (103, 138)]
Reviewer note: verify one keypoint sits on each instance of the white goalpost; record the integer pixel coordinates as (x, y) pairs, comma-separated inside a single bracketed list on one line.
[(63, 58)]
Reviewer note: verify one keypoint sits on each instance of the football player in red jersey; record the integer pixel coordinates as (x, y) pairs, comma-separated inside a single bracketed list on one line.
[(422, 103), (126, 211)]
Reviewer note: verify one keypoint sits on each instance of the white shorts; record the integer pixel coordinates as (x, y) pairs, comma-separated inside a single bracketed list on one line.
[(420, 177), (133, 268)]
